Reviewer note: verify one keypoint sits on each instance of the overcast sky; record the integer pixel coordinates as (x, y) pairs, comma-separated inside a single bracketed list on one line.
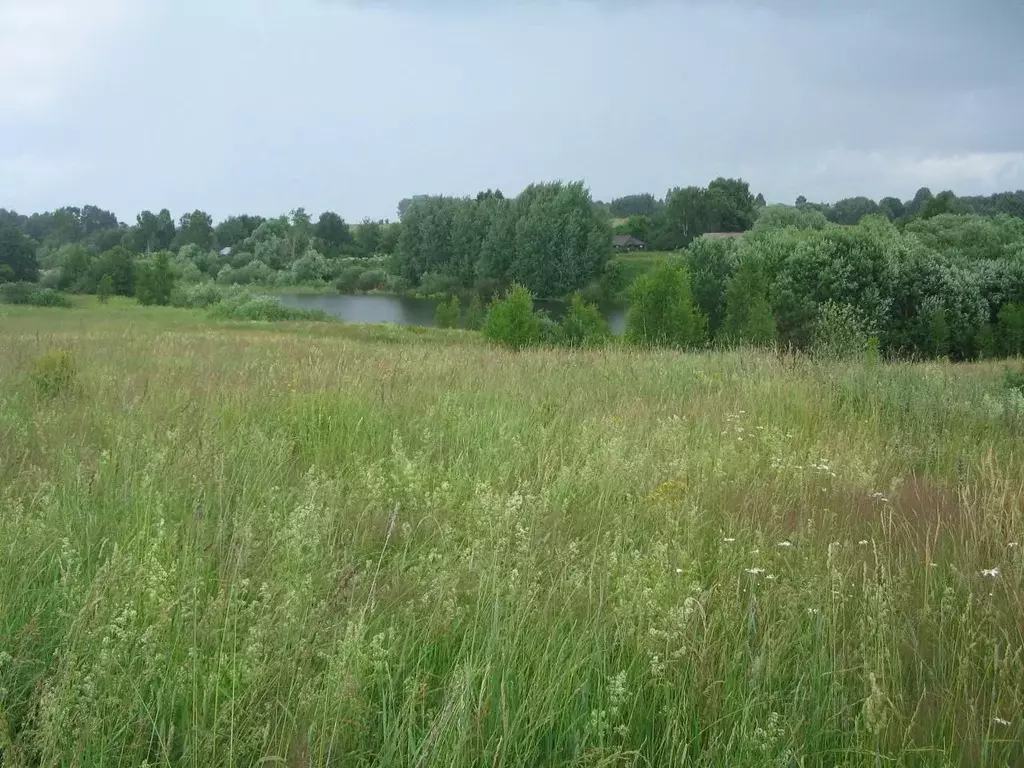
[(262, 106)]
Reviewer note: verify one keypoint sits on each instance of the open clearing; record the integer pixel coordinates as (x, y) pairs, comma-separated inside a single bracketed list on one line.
[(318, 545)]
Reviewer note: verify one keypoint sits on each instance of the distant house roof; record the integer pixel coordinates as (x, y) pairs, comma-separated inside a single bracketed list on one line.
[(225, 251), (627, 241), (724, 234)]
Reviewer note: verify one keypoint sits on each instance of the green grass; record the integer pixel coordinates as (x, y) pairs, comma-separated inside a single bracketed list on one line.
[(228, 544), (641, 262)]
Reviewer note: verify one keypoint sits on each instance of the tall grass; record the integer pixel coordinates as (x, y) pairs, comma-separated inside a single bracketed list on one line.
[(237, 546)]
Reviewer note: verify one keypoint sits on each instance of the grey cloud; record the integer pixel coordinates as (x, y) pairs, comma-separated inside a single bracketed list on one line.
[(351, 106)]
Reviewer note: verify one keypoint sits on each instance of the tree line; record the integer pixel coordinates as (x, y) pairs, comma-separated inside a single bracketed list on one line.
[(726, 205), (947, 285), (553, 239), (74, 249)]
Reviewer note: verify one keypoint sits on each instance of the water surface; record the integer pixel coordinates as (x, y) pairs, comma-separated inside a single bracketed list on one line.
[(404, 310)]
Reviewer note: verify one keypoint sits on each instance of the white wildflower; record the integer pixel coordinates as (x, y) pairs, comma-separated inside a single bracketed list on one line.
[(1013, 544), (728, 540), (1000, 721), (755, 571), (785, 544), (863, 542), (991, 573)]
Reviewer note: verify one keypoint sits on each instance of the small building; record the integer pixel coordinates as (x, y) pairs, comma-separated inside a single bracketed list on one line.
[(225, 252), (628, 243)]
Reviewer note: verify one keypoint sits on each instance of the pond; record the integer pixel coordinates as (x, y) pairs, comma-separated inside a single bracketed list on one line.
[(403, 310)]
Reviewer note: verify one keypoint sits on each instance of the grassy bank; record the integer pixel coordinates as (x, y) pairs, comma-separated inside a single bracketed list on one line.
[(312, 544)]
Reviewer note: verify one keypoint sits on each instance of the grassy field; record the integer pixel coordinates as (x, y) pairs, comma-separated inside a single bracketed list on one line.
[(242, 545)]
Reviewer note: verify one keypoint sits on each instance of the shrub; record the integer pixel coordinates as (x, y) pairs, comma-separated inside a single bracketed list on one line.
[(583, 325), (550, 330), (247, 306), (436, 283), (31, 294), (662, 311), (748, 315), (199, 296), (512, 322), (154, 281), (105, 288), (613, 279), (475, 314), (348, 279), (372, 280), (1011, 330), (448, 313), (840, 332), (397, 284), (55, 373), (1013, 378)]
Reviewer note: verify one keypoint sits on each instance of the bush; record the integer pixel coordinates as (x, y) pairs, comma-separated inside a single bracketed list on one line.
[(247, 306), (512, 322), (372, 280), (550, 330), (55, 373), (348, 279), (448, 313), (748, 315), (1011, 330), (662, 311), (32, 295), (154, 281), (199, 296), (840, 332), (397, 284), (1013, 378), (475, 314), (583, 325), (435, 284), (105, 288)]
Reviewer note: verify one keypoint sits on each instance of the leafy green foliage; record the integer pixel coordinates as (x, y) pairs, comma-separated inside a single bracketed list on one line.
[(55, 373), (1011, 330), (782, 216), (551, 239), (635, 205), (476, 313), (105, 288), (710, 263), (32, 294), (196, 229), (512, 322), (662, 311), (154, 280), (448, 313), (242, 305), (18, 255), (332, 234), (840, 332), (120, 265), (748, 314), (583, 325)]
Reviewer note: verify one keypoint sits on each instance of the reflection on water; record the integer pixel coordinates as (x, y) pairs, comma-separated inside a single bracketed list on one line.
[(403, 310)]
